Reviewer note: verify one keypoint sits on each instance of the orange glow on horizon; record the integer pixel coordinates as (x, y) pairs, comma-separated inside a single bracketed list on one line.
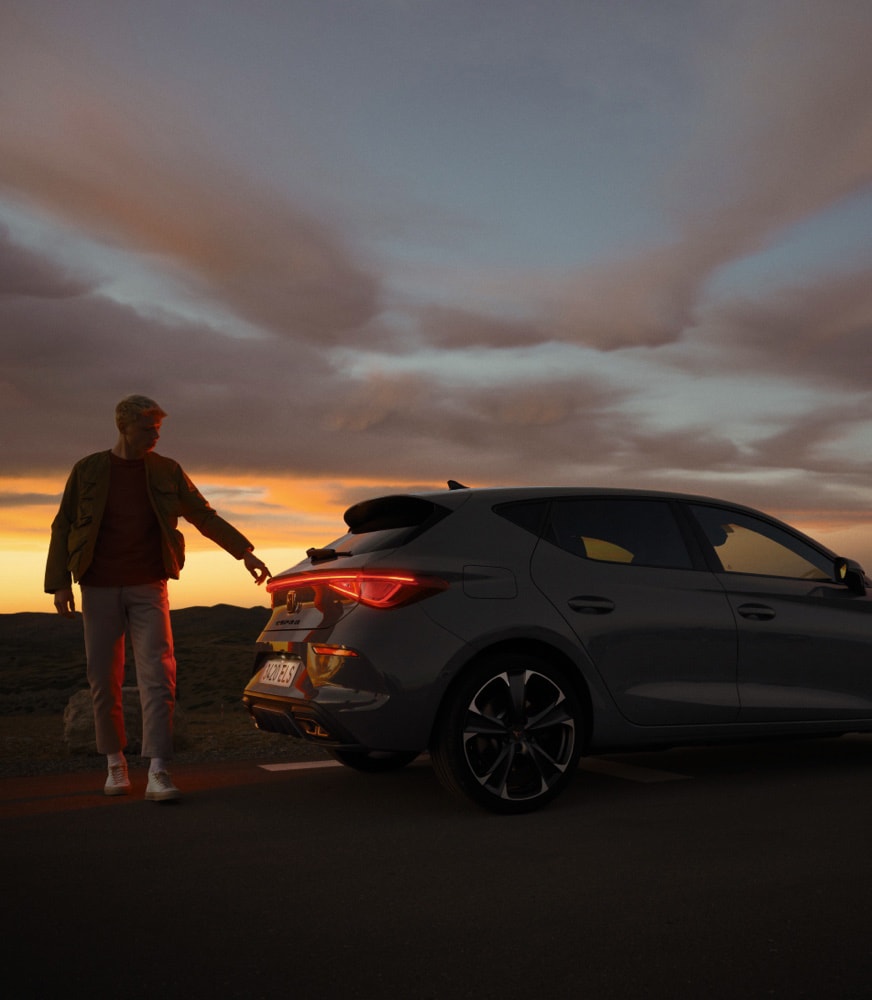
[(283, 516)]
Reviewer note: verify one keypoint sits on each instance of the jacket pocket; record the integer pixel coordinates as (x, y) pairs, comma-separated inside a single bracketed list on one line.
[(168, 501), (174, 553), (76, 542), (85, 504)]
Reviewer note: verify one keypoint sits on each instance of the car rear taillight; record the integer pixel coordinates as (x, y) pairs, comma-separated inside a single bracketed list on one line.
[(374, 588)]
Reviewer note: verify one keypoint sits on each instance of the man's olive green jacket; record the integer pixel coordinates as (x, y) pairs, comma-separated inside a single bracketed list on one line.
[(77, 523)]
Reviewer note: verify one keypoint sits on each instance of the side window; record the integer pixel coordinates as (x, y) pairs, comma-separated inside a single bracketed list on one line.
[(746, 544), (635, 532), (527, 514)]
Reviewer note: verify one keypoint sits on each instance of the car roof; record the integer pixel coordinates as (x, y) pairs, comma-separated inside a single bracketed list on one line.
[(498, 494), (456, 497)]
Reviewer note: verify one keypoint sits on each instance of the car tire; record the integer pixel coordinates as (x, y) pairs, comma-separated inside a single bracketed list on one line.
[(510, 735), (374, 761)]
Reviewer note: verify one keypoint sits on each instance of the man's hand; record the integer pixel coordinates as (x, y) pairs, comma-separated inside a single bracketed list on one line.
[(65, 602), (254, 566)]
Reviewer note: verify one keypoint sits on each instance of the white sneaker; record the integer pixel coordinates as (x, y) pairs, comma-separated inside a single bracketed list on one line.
[(117, 782), (160, 787)]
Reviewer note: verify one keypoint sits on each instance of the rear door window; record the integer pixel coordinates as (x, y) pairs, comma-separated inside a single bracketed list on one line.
[(629, 531)]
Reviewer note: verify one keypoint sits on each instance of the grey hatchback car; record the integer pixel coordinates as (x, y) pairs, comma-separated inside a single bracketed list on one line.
[(509, 631)]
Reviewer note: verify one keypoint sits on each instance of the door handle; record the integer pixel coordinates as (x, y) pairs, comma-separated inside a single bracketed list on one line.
[(756, 612), (587, 605)]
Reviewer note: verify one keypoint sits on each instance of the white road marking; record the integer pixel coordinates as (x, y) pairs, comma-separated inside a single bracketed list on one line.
[(596, 765), (309, 765), (629, 772)]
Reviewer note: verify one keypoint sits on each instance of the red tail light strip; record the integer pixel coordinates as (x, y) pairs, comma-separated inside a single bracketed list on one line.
[(374, 588)]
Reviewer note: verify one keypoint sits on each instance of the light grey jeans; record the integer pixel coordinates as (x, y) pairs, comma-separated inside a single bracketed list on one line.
[(143, 611)]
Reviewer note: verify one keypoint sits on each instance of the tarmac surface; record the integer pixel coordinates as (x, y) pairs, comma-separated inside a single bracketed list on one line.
[(734, 872)]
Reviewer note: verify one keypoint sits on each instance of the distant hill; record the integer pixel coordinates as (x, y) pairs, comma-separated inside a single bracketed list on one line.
[(42, 657)]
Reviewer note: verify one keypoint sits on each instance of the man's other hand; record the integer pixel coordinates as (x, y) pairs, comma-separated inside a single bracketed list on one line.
[(65, 603)]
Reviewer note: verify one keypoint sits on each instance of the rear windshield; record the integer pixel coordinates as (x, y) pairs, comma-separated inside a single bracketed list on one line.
[(387, 523)]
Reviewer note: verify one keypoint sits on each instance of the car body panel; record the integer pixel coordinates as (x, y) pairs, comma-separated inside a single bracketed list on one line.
[(663, 640), (804, 649)]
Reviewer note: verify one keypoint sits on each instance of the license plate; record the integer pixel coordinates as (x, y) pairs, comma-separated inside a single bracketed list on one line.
[(282, 673)]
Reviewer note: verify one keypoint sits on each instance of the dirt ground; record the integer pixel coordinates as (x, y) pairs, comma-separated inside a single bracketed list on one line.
[(42, 664), (34, 744)]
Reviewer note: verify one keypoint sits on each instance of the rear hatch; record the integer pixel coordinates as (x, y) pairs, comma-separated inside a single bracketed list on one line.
[(333, 580)]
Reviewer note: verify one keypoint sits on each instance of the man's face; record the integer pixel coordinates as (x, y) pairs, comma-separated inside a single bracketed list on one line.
[(142, 435)]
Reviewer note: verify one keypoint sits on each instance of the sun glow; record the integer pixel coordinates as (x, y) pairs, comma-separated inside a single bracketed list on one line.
[(283, 516)]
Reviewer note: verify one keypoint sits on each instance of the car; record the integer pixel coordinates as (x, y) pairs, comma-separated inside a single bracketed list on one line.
[(508, 631)]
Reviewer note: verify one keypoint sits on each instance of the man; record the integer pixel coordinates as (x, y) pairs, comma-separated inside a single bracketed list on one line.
[(115, 534)]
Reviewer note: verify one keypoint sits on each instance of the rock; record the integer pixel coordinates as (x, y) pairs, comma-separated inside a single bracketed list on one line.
[(79, 723)]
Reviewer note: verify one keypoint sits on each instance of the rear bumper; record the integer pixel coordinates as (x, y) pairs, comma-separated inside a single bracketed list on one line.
[(338, 716), (379, 691), (299, 720)]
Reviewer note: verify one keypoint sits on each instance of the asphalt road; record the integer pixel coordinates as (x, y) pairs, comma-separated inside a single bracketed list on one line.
[(730, 873)]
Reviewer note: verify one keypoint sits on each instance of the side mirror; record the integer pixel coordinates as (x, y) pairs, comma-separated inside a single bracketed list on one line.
[(850, 573)]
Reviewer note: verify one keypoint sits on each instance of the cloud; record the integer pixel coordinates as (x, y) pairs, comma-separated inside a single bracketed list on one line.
[(812, 441), (819, 332), (462, 329), (9, 499), (25, 273), (130, 167), (67, 365), (646, 300), (785, 132), (262, 406), (786, 124)]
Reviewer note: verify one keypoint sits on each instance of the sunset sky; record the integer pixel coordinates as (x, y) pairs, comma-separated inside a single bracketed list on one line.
[(357, 246)]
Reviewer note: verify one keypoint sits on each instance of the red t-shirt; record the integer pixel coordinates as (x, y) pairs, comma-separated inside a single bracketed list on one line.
[(128, 549)]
